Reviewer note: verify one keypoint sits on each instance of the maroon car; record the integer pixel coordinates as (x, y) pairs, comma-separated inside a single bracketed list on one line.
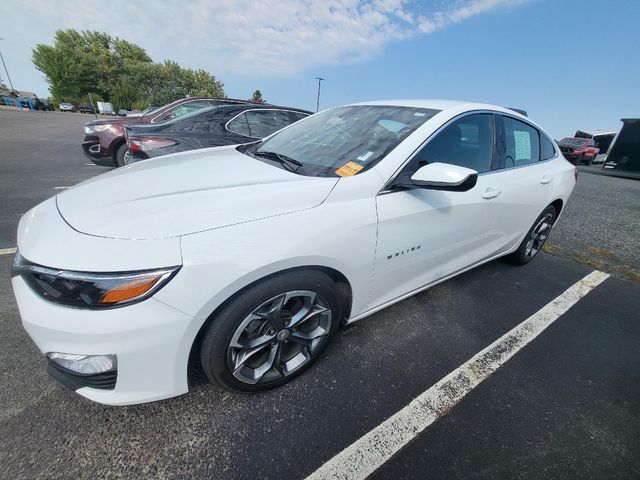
[(104, 143)]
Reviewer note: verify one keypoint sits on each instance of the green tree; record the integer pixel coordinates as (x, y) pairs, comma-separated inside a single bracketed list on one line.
[(59, 70), (200, 83), (257, 97), (83, 62)]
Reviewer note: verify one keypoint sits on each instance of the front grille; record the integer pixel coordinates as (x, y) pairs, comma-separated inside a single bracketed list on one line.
[(566, 150), (75, 380)]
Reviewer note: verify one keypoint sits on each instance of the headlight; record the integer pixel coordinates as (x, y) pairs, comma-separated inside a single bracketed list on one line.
[(96, 128), (91, 290)]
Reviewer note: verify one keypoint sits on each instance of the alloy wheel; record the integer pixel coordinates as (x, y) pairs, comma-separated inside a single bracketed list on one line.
[(279, 337), (539, 236)]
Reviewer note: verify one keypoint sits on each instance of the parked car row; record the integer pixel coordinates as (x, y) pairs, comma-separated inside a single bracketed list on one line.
[(36, 103), (186, 124)]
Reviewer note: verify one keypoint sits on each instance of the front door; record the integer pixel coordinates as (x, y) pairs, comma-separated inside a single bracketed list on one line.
[(425, 235)]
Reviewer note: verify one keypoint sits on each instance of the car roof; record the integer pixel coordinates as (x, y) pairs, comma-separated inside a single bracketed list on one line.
[(259, 106), (438, 104)]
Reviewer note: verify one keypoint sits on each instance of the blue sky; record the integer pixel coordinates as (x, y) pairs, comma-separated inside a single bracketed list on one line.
[(572, 64)]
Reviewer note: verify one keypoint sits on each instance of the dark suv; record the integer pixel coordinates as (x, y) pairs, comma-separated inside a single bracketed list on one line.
[(85, 108), (104, 143)]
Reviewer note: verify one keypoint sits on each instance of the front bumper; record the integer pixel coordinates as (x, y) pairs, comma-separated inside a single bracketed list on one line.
[(149, 338), (94, 151)]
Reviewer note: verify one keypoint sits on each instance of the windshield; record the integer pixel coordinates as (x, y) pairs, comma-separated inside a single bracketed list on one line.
[(574, 141), (343, 141)]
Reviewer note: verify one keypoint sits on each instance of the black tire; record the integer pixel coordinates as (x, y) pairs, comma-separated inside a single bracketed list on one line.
[(590, 160), (526, 252), (217, 353), (118, 160)]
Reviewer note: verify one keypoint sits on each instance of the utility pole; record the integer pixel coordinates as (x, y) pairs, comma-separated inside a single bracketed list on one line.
[(92, 106), (7, 71), (320, 80)]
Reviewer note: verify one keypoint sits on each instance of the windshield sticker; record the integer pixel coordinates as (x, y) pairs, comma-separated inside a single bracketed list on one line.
[(523, 145), (365, 156), (419, 114), (349, 169)]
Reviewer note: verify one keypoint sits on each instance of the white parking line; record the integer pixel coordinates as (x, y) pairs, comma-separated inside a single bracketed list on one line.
[(7, 251), (61, 188), (363, 457)]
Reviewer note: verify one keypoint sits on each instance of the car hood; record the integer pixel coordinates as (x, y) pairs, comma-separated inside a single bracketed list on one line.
[(187, 193)]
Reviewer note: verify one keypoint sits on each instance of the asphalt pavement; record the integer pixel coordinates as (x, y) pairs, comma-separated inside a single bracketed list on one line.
[(566, 405)]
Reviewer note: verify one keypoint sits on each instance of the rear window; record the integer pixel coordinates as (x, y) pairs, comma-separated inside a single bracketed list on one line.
[(259, 123), (547, 150)]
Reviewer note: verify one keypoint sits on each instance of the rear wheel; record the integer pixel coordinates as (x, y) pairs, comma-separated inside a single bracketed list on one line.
[(271, 332), (119, 158), (535, 238)]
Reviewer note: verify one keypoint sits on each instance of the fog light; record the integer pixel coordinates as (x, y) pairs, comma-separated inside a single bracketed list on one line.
[(85, 364)]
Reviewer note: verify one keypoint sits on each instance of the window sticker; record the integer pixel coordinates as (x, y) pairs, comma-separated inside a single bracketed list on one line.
[(349, 169), (365, 156), (523, 145)]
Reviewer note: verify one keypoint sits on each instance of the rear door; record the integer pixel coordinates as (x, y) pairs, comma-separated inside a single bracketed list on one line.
[(527, 186)]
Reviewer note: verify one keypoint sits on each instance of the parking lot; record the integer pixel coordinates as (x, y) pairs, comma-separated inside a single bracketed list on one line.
[(565, 405)]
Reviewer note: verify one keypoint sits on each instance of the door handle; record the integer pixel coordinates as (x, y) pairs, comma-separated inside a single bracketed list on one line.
[(491, 192), (546, 179)]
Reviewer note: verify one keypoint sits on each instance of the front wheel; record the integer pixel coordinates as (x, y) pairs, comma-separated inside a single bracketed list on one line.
[(270, 333), (120, 152), (535, 238)]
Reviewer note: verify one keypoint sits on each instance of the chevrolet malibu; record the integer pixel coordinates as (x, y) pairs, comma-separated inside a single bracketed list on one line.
[(248, 258)]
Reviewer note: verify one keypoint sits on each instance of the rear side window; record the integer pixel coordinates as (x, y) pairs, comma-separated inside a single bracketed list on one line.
[(467, 142), (547, 149), (522, 143), (259, 123)]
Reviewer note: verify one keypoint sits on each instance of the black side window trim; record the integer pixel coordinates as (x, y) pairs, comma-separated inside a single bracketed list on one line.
[(396, 176), (495, 159)]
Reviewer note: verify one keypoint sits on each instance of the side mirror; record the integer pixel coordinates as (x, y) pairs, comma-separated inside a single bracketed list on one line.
[(442, 176)]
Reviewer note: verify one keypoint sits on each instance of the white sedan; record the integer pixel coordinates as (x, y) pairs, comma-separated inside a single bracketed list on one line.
[(67, 107), (248, 258)]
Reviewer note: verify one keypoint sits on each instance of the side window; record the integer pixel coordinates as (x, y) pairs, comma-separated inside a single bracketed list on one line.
[(522, 143), (240, 125), (467, 142), (547, 149), (259, 123)]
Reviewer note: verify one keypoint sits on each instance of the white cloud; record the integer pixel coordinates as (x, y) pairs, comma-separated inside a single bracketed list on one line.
[(246, 37)]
